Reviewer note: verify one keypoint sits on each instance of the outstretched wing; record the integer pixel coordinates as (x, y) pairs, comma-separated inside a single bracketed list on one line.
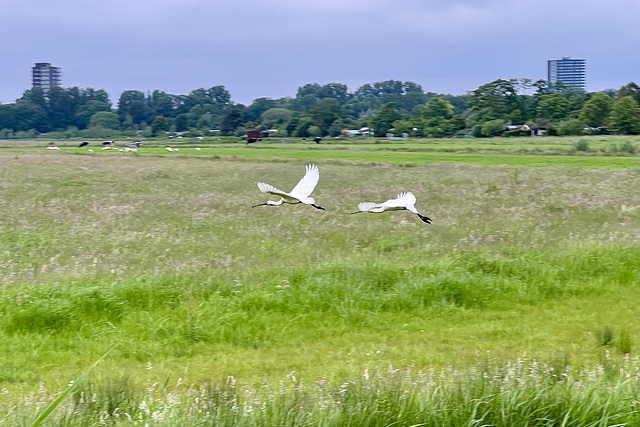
[(305, 187), (267, 188), (402, 201), (367, 206), (407, 198)]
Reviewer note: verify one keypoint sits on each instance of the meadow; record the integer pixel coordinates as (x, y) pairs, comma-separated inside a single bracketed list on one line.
[(519, 305)]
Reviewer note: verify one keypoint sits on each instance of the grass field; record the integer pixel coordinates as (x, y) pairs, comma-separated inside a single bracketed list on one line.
[(518, 305)]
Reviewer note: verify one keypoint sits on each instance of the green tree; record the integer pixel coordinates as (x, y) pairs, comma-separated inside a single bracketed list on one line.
[(325, 114), (160, 125), (436, 111), (302, 129), (28, 116), (259, 105), (493, 127), (163, 104), (625, 116), (553, 107), (182, 122), (88, 109), (595, 112), (630, 89), (439, 120), (231, 120), (105, 119), (571, 127), (275, 116), (204, 122), (133, 102), (383, 120), (494, 100), (337, 91), (6, 117)]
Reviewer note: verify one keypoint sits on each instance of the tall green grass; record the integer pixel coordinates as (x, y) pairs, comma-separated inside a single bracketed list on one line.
[(165, 256), (522, 392)]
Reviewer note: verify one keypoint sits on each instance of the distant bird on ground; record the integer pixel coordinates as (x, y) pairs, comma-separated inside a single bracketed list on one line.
[(107, 147), (299, 194), (90, 150), (317, 140), (197, 148), (404, 201), (168, 148), (53, 148), (83, 144)]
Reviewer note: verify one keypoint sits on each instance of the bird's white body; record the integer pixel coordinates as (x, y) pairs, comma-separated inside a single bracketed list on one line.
[(404, 201), (299, 194), (168, 148)]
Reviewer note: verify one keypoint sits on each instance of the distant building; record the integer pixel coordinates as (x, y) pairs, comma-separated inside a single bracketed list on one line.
[(570, 72), (45, 76)]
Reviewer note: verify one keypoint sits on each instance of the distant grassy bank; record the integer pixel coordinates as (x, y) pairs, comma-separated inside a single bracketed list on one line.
[(592, 152)]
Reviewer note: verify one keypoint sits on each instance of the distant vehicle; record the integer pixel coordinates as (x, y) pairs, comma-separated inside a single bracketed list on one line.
[(253, 136)]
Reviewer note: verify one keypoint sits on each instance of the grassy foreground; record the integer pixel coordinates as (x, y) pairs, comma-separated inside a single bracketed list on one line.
[(223, 314)]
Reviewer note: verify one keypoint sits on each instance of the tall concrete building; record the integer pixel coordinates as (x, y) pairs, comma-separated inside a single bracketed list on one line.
[(46, 76), (570, 72)]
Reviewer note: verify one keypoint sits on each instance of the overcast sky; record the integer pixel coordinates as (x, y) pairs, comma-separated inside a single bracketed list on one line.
[(268, 48)]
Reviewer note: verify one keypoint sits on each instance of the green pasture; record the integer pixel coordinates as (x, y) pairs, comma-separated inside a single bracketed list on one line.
[(602, 152), (530, 257)]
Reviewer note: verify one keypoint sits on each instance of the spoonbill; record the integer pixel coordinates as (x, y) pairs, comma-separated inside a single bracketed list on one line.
[(299, 194), (404, 201)]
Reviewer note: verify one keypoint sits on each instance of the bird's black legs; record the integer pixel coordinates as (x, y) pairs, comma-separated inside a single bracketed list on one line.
[(261, 204), (425, 218), (318, 207)]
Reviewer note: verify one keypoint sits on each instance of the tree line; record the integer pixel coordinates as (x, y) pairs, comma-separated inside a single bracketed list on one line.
[(390, 106)]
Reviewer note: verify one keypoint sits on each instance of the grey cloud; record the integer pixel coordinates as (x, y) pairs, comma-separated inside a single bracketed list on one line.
[(269, 48)]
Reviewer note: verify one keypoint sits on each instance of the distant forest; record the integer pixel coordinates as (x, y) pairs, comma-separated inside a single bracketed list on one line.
[(388, 107)]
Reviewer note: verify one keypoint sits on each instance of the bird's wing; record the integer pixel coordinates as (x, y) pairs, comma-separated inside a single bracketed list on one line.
[(308, 182), (407, 197), (402, 201), (366, 206), (267, 188)]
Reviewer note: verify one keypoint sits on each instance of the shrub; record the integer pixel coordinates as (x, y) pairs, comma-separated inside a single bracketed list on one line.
[(581, 145)]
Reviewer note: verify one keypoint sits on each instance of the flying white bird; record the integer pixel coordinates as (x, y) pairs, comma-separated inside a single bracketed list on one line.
[(404, 201), (299, 194)]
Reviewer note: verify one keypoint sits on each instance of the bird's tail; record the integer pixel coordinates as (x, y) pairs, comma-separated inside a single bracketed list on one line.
[(425, 218)]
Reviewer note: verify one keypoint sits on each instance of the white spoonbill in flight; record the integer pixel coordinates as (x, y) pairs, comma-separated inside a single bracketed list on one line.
[(299, 194), (404, 201)]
